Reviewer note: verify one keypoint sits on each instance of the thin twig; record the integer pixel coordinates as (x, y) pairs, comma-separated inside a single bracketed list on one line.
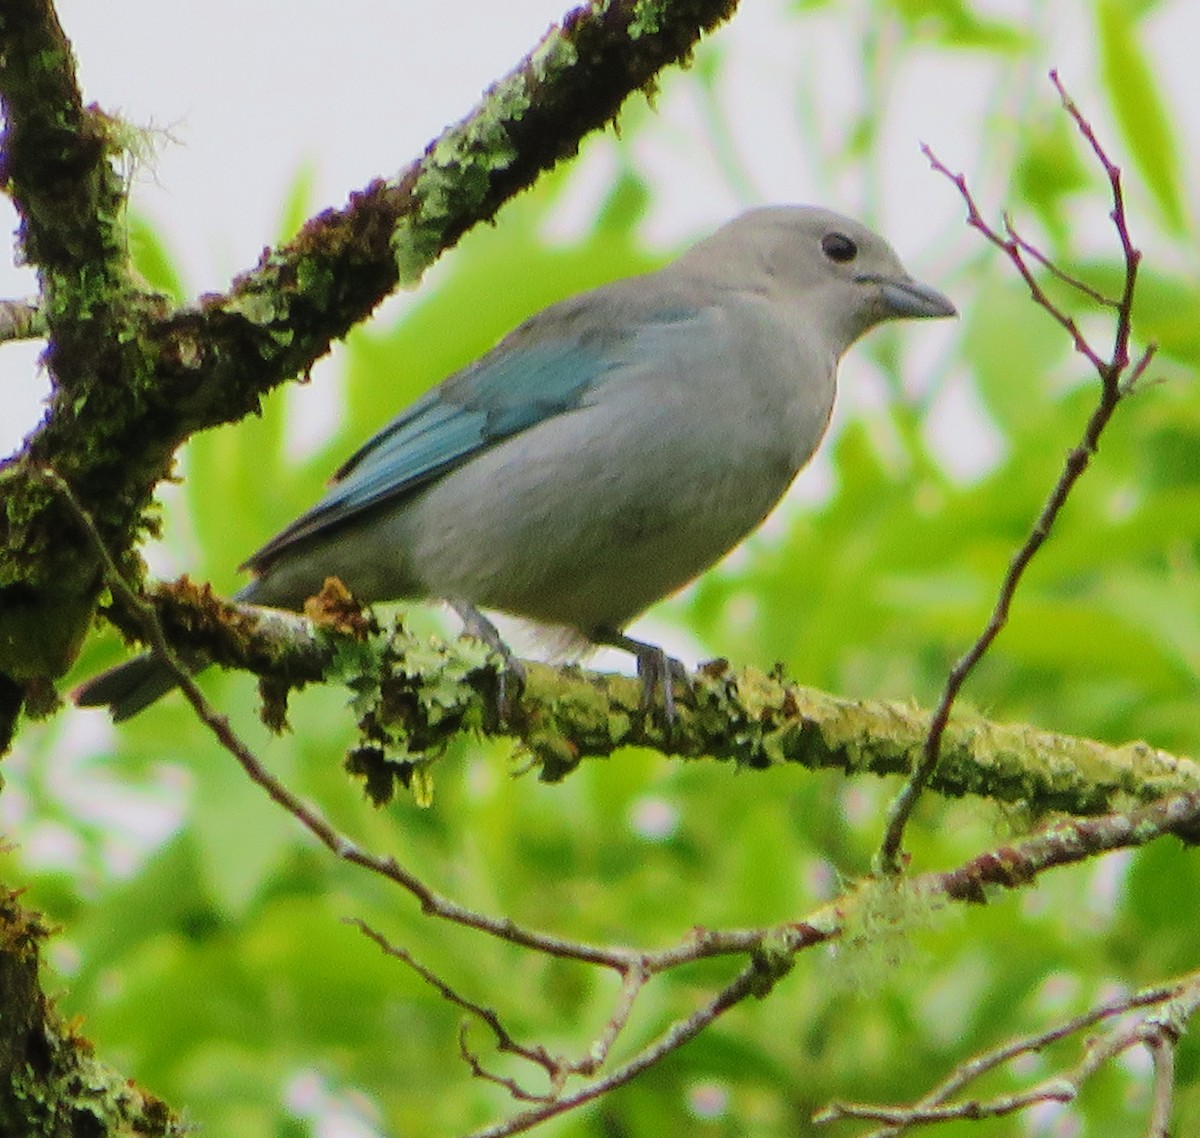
[(505, 1041), (1112, 391), (1055, 270), (772, 949), (1159, 1029), (983, 1064), (479, 1071), (632, 983), (1014, 866), (1162, 1053), (679, 1033)]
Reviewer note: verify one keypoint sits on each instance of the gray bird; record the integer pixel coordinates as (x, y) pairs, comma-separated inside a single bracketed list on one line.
[(604, 453)]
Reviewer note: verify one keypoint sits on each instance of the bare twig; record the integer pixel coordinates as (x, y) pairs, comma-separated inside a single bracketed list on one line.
[(634, 967), (1168, 1008), (1010, 867), (989, 1061), (505, 1041), (1114, 385), (632, 983), (1034, 253), (679, 1033), (771, 949), (1162, 1053)]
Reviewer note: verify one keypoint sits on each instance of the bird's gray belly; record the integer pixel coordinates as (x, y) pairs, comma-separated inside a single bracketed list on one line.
[(584, 530)]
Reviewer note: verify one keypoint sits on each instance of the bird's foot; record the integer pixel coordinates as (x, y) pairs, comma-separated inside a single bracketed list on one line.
[(510, 679), (654, 667)]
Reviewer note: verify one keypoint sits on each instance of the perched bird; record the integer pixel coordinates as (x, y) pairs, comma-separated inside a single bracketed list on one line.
[(605, 452)]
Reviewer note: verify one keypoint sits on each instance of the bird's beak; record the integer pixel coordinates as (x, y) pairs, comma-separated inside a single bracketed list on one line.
[(907, 298)]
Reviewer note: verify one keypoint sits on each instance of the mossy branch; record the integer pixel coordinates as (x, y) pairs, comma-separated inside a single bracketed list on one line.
[(52, 1083), (56, 158), (414, 695)]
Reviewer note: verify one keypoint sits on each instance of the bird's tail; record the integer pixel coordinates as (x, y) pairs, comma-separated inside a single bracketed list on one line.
[(133, 686), (127, 688)]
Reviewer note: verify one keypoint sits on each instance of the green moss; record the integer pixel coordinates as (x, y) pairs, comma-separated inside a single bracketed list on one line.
[(574, 719), (880, 915), (458, 172), (412, 697), (554, 55), (415, 245), (54, 1084), (85, 1088), (315, 280), (647, 18), (51, 61), (259, 307)]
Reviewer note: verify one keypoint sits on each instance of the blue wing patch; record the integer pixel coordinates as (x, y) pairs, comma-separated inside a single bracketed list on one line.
[(510, 389)]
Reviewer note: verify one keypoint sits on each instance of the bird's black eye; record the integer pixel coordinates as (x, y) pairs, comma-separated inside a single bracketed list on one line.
[(838, 247)]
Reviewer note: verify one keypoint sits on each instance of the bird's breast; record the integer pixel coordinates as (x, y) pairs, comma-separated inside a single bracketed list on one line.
[(592, 515)]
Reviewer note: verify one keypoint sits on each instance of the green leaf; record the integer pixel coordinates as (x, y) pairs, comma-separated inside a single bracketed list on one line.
[(956, 24), (298, 204), (151, 258), (1141, 112), (1013, 346), (241, 835)]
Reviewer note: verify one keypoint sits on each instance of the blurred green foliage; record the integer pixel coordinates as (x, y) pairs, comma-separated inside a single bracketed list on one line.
[(219, 971)]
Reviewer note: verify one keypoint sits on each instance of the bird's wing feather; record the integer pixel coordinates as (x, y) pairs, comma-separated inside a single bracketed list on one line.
[(545, 368)]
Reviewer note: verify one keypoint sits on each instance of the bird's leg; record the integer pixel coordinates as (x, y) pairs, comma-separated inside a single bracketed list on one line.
[(655, 668), (510, 681)]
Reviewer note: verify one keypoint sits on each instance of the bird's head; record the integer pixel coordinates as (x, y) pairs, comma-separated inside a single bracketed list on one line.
[(840, 275)]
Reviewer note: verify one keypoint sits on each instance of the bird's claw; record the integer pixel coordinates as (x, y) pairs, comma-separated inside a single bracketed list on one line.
[(511, 676), (655, 669)]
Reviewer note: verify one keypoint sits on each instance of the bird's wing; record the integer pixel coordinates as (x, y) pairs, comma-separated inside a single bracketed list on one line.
[(545, 368)]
